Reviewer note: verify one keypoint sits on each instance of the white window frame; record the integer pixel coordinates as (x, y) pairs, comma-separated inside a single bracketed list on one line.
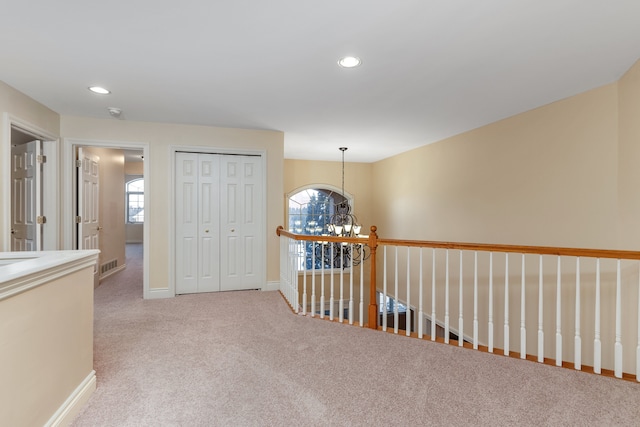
[(130, 179)]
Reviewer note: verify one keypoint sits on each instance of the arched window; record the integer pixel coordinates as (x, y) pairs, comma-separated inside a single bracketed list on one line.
[(311, 208), (309, 212), (134, 190)]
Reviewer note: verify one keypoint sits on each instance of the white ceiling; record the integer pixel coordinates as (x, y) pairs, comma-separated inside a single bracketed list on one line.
[(430, 68)]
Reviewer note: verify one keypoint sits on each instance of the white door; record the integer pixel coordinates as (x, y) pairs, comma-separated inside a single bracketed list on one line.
[(197, 219), (26, 197), (241, 219), (88, 192), (218, 222)]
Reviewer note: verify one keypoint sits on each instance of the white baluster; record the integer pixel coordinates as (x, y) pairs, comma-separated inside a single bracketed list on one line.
[(395, 296), (433, 294), (506, 304), (577, 358), (331, 294), (559, 315), (322, 260), (460, 315), (341, 300), (313, 279), (384, 290), (283, 265), (420, 312), (638, 346), (540, 314), (618, 345), (490, 323), (294, 277), (408, 314), (446, 300), (597, 344), (362, 287), (304, 283), (351, 287), (523, 326), (475, 300)]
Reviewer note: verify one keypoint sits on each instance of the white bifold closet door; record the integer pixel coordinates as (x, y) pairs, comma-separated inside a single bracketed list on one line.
[(219, 226)]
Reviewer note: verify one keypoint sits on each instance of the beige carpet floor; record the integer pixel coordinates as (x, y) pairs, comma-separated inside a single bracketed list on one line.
[(244, 359)]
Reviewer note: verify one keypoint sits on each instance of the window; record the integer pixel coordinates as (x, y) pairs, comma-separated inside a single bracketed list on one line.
[(309, 212), (134, 190), (311, 209)]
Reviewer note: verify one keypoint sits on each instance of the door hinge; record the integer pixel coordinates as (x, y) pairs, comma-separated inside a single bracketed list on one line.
[(78, 163), (41, 219), (78, 219), (41, 158)]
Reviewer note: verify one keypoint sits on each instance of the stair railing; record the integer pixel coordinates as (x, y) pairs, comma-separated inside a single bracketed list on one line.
[(577, 308)]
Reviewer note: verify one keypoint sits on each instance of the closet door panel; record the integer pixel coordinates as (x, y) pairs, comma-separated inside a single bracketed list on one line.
[(186, 209)]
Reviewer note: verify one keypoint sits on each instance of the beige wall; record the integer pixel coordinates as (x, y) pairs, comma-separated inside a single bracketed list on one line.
[(46, 348), (18, 106), (629, 158), (544, 177), (160, 138), (134, 168)]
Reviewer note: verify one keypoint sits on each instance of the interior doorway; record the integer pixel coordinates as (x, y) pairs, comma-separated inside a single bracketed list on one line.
[(114, 160), (34, 201)]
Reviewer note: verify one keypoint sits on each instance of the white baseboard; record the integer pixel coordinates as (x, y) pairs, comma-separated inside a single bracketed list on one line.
[(272, 286), (159, 293), (74, 403)]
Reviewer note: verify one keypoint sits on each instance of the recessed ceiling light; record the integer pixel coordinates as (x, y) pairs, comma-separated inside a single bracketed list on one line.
[(349, 61), (100, 90)]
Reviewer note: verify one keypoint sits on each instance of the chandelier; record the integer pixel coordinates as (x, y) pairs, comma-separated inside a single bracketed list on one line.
[(343, 223)]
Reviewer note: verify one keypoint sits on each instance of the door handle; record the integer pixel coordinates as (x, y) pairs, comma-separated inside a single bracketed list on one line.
[(13, 231), (206, 231), (99, 228)]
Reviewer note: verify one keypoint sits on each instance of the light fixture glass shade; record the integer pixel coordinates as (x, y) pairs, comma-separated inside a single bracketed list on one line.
[(99, 90), (349, 62)]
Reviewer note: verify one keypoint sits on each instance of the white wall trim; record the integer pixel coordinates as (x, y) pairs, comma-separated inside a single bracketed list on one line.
[(173, 149), (74, 403), (159, 293), (23, 271), (272, 286), (68, 183)]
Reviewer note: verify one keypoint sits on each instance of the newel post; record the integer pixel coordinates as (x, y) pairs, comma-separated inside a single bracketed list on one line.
[(373, 305)]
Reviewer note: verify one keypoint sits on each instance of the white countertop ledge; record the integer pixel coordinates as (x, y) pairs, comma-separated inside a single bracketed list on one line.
[(21, 271)]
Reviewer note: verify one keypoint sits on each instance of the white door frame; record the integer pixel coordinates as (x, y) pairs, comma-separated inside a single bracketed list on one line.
[(51, 181), (69, 184), (172, 200)]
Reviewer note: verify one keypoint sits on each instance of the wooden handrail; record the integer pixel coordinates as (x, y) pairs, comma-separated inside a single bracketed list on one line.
[(538, 250), (485, 247), (280, 231)]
